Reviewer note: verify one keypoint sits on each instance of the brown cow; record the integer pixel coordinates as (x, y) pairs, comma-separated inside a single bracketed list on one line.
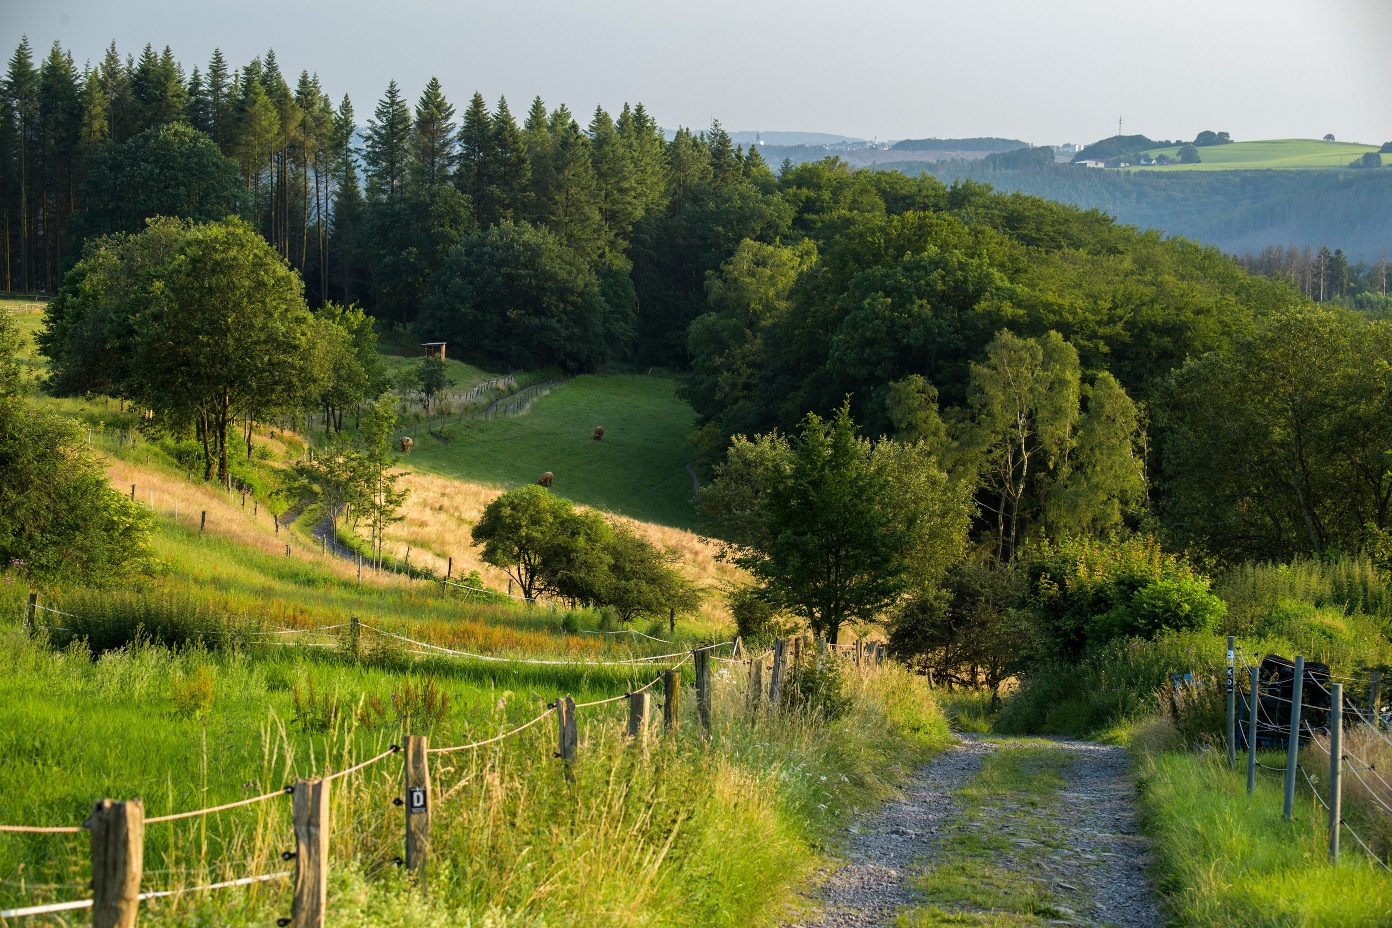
[(545, 480), (407, 445), (599, 433)]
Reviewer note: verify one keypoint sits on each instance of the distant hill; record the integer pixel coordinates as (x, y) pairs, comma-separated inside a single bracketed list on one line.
[(981, 144), (1237, 210), (793, 138), (1272, 154), (1121, 146)]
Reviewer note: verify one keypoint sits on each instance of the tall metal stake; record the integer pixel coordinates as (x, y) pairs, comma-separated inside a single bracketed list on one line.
[(1293, 743), (1336, 769)]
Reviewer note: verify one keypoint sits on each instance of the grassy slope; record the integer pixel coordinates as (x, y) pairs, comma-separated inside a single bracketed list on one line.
[(638, 469), (1278, 154), (643, 838)]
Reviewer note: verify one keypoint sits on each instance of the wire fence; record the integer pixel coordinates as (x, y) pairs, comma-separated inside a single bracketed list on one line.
[(1292, 728), (120, 879)]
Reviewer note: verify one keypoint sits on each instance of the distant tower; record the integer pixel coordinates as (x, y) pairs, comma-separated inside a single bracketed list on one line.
[(1118, 125)]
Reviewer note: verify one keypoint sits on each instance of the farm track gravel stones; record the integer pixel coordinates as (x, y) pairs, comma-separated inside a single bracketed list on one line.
[(1093, 872)]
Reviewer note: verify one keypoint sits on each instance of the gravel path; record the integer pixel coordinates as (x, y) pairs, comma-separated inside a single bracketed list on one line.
[(1098, 874)]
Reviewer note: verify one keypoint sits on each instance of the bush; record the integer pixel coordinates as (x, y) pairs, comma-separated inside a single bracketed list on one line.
[(1084, 593)]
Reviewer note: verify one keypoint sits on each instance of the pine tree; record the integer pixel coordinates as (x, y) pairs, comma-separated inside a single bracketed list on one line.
[(96, 110), (509, 173), (475, 147), (387, 145)]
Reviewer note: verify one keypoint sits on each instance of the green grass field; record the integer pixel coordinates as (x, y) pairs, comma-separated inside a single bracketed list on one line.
[(637, 469), (1269, 154)]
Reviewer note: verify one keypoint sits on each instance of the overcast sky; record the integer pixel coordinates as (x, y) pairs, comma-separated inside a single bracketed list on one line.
[(1046, 71)]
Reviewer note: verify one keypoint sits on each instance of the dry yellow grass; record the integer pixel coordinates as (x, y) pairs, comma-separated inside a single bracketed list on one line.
[(440, 511), (167, 494)]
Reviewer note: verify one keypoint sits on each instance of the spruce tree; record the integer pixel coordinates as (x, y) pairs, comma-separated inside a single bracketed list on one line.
[(197, 110), (347, 212), (433, 144), (536, 134), (617, 197), (509, 172), (22, 99), (120, 99), (647, 153), (387, 145), (475, 144), (572, 212), (688, 168), (221, 114), (726, 166)]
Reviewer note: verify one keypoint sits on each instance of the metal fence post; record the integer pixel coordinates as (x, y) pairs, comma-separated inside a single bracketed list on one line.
[(1336, 769), (1293, 743), (1252, 704)]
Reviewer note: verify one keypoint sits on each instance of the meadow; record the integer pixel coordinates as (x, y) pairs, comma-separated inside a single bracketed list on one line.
[(638, 469), (1267, 154)]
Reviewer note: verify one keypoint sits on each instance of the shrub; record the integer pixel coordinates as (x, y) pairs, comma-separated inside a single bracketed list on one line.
[(817, 686), (1084, 593)]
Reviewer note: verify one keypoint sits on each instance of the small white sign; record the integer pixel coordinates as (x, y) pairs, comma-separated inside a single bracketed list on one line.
[(415, 799)]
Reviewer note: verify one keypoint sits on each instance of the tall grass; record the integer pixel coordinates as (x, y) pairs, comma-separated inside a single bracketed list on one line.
[(1226, 859), (1350, 584), (675, 832)]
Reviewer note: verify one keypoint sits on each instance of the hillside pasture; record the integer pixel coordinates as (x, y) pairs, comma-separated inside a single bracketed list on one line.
[(1267, 154), (638, 469)]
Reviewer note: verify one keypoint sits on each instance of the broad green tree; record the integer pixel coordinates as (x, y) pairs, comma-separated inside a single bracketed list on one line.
[(834, 528)]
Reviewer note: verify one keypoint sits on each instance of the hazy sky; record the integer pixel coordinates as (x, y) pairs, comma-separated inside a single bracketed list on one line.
[(1047, 71)]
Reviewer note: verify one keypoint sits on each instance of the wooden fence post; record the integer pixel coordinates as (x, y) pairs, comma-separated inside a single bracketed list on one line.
[(277, 523), (780, 646), (287, 552), (671, 702), (31, 616), (1231, 707), (567, 734), (449, 570), (1293, 742), (756, 682), (359, 568), (1336, 768), (638, 716), (118, 845), (311, 816), (202, 521), (417, 783), (702, 659), (132, 492)]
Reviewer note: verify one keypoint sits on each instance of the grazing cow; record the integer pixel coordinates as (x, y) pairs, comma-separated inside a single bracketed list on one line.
[(407, 445), (545, 480), (599, 433)]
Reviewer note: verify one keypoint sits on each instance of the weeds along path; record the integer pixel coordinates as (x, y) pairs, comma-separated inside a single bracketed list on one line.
[(999, 832)]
